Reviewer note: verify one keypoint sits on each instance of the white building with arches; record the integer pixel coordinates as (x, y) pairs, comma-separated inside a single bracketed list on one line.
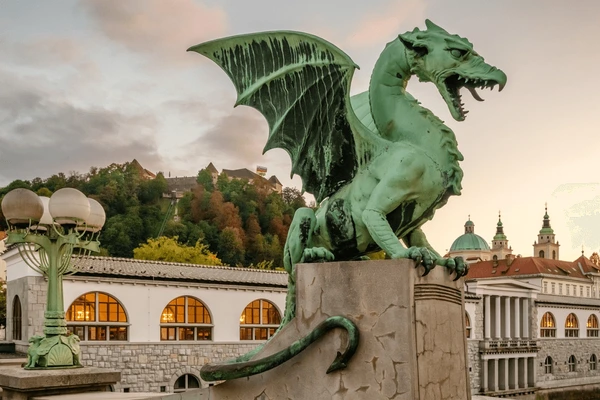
[(157, 322)]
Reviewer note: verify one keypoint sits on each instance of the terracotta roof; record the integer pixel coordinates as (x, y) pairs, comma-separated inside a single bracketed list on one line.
[(161, 270), (529, 266)]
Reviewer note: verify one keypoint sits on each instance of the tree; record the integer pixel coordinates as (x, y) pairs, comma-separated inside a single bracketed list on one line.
[(205, 179), (293, 198), (230, 247), (168, 249)]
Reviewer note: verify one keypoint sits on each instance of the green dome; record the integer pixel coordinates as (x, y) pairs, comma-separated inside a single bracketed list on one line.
[(469, 241)]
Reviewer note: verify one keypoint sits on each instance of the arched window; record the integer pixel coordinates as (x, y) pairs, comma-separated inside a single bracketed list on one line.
[(572, 364), (97, 316), (593, 362), (541, 254), (259, 321), (571, 326), (185, 318), (17, 316), (592, 326), (548, 326), (548, 365), (468, 325), (554, 254), (185, 382)]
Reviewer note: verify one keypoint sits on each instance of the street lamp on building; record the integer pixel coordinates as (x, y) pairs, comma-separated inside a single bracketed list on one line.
[(48, 232)]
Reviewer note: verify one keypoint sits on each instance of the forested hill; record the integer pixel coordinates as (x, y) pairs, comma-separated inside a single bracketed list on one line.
[(244, 224)]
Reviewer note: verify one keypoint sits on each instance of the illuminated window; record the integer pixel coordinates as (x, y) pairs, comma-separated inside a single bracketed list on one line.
[(97, 316), (17, 319), (468, 325), (259, 321), (548, 365), (572, 364), (185, 318), (548, 326), (593, 362), (186, 382), (592, 326), (571, 326)]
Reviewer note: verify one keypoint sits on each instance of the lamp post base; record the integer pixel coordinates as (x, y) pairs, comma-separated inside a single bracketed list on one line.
[(56, 349)]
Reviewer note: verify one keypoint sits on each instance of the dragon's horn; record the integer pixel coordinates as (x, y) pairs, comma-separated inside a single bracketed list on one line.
[(433, 27)]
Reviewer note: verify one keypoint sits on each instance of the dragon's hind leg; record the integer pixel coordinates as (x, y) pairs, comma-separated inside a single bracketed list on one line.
[(298, 248)]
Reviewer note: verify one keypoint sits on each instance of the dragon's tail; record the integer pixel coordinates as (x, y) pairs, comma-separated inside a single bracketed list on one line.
[(237, 369)]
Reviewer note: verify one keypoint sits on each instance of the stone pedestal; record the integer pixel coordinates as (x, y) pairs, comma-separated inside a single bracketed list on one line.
[(412, 337), (20, 384)]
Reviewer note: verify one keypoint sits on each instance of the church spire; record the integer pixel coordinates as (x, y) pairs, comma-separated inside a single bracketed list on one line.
[(546, 228), (499, 229), (546, 246)]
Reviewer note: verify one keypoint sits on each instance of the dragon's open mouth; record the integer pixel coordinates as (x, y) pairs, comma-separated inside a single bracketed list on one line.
[(455, 82)]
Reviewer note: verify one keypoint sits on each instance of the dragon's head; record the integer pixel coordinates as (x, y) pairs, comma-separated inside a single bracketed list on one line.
[(450, 62)]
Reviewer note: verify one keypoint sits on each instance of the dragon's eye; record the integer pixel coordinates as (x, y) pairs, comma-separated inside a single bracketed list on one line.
[(457, 53)]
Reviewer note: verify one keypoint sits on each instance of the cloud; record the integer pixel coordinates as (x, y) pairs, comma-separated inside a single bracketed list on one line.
[(236, 139), (43, 134), (161, 29), (381, 26)]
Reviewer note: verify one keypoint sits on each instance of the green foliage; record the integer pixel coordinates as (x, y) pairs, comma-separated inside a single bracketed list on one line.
[(205, 179), (243, 223), (169, 249)]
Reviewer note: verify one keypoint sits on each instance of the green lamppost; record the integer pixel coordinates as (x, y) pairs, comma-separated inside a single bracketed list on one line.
[(48, 232)]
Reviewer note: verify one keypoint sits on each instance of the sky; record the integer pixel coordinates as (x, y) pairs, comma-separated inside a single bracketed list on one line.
[(91, 82)]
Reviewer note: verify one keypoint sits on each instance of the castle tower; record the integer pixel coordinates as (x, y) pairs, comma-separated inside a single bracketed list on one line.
[(500, 247), (546, 245)]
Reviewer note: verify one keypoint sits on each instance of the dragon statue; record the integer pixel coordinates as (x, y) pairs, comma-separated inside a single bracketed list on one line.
[(378, 164)]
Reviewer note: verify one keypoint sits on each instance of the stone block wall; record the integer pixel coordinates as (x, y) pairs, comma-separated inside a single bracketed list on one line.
[(560, 350), (32, 292), (154, 367), (474, 365)]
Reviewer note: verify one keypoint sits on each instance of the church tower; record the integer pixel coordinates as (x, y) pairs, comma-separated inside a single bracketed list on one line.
[(546, 245), (500, 247)]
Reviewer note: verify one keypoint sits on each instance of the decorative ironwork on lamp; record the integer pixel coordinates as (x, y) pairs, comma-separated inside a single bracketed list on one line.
[(48, 232)]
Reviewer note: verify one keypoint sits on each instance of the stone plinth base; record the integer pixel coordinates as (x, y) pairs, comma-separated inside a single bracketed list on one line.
[(412, 337), (20, 384)]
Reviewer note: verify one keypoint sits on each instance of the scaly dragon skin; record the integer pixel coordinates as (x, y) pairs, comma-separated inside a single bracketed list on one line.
[(405, 182), (379, 163)]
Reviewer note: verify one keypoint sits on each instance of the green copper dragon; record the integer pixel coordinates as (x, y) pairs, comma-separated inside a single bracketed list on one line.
[(378, 164)]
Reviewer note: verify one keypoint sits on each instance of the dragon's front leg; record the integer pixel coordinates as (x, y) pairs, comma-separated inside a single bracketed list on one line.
[(298, 249), (382, 234), (457, 264)]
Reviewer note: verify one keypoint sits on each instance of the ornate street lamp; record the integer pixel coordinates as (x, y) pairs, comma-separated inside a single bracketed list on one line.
[(48, 232)]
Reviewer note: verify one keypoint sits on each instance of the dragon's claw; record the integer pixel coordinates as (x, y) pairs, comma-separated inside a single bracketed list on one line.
[(316, 254), (456, 265), (422, 256)]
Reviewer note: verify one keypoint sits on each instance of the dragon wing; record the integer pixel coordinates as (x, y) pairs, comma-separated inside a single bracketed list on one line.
[(301, 84)]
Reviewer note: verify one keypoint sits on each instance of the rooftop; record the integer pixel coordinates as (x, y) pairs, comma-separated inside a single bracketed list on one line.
[(532, 266), (162, 270)]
